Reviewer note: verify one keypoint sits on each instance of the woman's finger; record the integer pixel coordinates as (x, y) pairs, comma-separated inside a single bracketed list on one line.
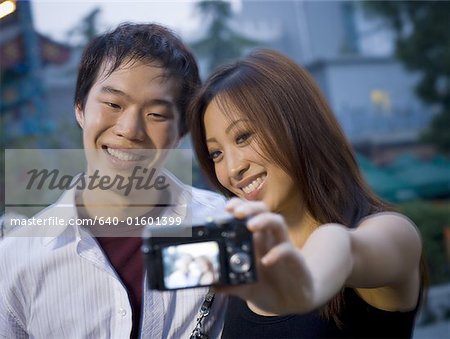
[(244, 209), (260, 244), (271, 223), (284, 251), (233, 203)]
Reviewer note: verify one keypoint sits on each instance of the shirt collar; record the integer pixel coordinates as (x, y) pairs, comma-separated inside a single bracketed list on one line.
[(65, 207)]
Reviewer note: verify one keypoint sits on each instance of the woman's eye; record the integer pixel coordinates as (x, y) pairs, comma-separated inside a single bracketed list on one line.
[(242, 137), (214, 155)]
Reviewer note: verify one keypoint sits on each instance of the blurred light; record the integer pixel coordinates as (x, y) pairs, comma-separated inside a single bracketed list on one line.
[(381, 99), (236, 5), (6, 8)]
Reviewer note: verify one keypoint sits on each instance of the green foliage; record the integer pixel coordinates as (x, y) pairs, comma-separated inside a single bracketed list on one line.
[(222, 43), (87, 29), (431, 219), (423, 44), (439, 131)]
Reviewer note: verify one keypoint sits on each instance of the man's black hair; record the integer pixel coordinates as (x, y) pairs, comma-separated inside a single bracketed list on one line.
[(148, 43)]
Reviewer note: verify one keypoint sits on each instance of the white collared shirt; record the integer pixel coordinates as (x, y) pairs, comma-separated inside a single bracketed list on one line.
[(63, 286)]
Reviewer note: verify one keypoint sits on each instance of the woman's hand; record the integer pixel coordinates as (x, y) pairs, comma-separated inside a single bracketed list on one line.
[(284, 283), (383, 251)]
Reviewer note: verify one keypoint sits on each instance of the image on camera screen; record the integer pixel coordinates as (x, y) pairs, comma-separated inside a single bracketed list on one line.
[(190, 265)]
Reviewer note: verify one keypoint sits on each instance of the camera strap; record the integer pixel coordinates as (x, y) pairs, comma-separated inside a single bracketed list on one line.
[(198, 332)]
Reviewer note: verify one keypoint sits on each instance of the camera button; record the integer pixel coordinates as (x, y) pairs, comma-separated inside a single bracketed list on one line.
[(240, 262), (248, 276), (245, 247)]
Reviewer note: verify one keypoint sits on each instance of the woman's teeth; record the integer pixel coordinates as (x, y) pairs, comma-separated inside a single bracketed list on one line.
[(125, 156), (254, 185)]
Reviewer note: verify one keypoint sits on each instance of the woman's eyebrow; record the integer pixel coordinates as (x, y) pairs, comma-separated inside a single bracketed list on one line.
[(228, 129), (234, 123)]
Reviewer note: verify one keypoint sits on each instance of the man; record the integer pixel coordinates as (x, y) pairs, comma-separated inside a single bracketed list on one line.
[(133, 86)]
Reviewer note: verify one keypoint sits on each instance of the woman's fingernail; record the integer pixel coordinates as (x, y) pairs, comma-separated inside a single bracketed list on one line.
[(231, 203), (240, 210)]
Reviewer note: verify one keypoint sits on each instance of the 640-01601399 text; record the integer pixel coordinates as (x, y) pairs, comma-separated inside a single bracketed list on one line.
[(102, 221)]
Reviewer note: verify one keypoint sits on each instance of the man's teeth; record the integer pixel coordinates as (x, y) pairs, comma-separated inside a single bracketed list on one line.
[(123, 155), (254, 185)]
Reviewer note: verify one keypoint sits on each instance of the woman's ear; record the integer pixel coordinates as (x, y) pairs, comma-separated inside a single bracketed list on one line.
[(79, 115)]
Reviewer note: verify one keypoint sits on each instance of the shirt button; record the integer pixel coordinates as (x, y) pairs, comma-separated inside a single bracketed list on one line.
[(122, 312)]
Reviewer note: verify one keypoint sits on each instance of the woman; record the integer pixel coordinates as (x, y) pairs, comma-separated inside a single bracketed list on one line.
[(206, 270), (332, 259)]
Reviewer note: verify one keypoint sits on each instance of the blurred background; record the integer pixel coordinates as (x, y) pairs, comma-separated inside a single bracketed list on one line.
[(384, 67)]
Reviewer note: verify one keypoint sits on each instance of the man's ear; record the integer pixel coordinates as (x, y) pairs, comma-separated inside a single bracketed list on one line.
[(79, 115)]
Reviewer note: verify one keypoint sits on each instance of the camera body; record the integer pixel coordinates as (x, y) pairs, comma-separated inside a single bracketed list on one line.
[(219, 252)]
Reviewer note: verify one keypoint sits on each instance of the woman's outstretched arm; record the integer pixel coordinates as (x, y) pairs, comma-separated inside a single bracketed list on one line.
[(382, 255)]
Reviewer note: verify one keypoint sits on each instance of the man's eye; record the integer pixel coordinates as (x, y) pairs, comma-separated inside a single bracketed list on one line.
[(112, 105), (156, 116), (242, 137)]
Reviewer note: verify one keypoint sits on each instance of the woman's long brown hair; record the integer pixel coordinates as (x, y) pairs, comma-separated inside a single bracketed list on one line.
[(297, 131)]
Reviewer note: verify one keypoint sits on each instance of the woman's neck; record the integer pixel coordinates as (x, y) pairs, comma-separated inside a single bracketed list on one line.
[(300, 227)]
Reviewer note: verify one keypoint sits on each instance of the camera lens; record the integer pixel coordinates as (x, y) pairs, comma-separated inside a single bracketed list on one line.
[(240, 262)]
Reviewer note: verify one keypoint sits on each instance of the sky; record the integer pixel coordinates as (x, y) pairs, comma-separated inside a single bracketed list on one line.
[(56, 18)]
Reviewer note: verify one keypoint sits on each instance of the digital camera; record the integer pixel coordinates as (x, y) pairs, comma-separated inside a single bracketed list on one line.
[(218, 252)]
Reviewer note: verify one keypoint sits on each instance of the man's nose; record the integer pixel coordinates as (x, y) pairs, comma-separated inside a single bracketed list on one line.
[(130, 126)]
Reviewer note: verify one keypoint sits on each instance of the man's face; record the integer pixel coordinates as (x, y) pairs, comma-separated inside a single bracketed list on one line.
[(128, 116)]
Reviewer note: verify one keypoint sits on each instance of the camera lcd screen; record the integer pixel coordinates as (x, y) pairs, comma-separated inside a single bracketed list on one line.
[(190, 265)]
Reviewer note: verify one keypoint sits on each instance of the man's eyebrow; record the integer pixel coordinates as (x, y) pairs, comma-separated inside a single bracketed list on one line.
[(151, 102), (115, 91), (160, 102)]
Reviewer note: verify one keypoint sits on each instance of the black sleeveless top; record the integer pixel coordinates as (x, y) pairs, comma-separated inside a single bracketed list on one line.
[(359, 320)]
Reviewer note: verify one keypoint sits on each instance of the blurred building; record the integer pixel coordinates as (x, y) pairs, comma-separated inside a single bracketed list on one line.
[(350, 54), (27, 93)]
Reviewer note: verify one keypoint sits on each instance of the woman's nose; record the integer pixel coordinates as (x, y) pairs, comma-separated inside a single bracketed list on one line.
[(237, 166)]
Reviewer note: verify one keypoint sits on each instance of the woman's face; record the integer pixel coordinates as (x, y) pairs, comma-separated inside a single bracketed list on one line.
[(238, 163)]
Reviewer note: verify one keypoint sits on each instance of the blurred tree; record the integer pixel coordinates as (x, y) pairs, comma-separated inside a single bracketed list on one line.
[(423, 44), (431, 219), (222, 43), (87, 29)]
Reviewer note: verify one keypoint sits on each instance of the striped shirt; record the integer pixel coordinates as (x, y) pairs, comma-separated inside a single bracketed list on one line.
[(61, 285)]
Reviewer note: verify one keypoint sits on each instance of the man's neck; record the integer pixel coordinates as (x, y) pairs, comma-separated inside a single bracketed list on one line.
[(116, 218), (100, 203)]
